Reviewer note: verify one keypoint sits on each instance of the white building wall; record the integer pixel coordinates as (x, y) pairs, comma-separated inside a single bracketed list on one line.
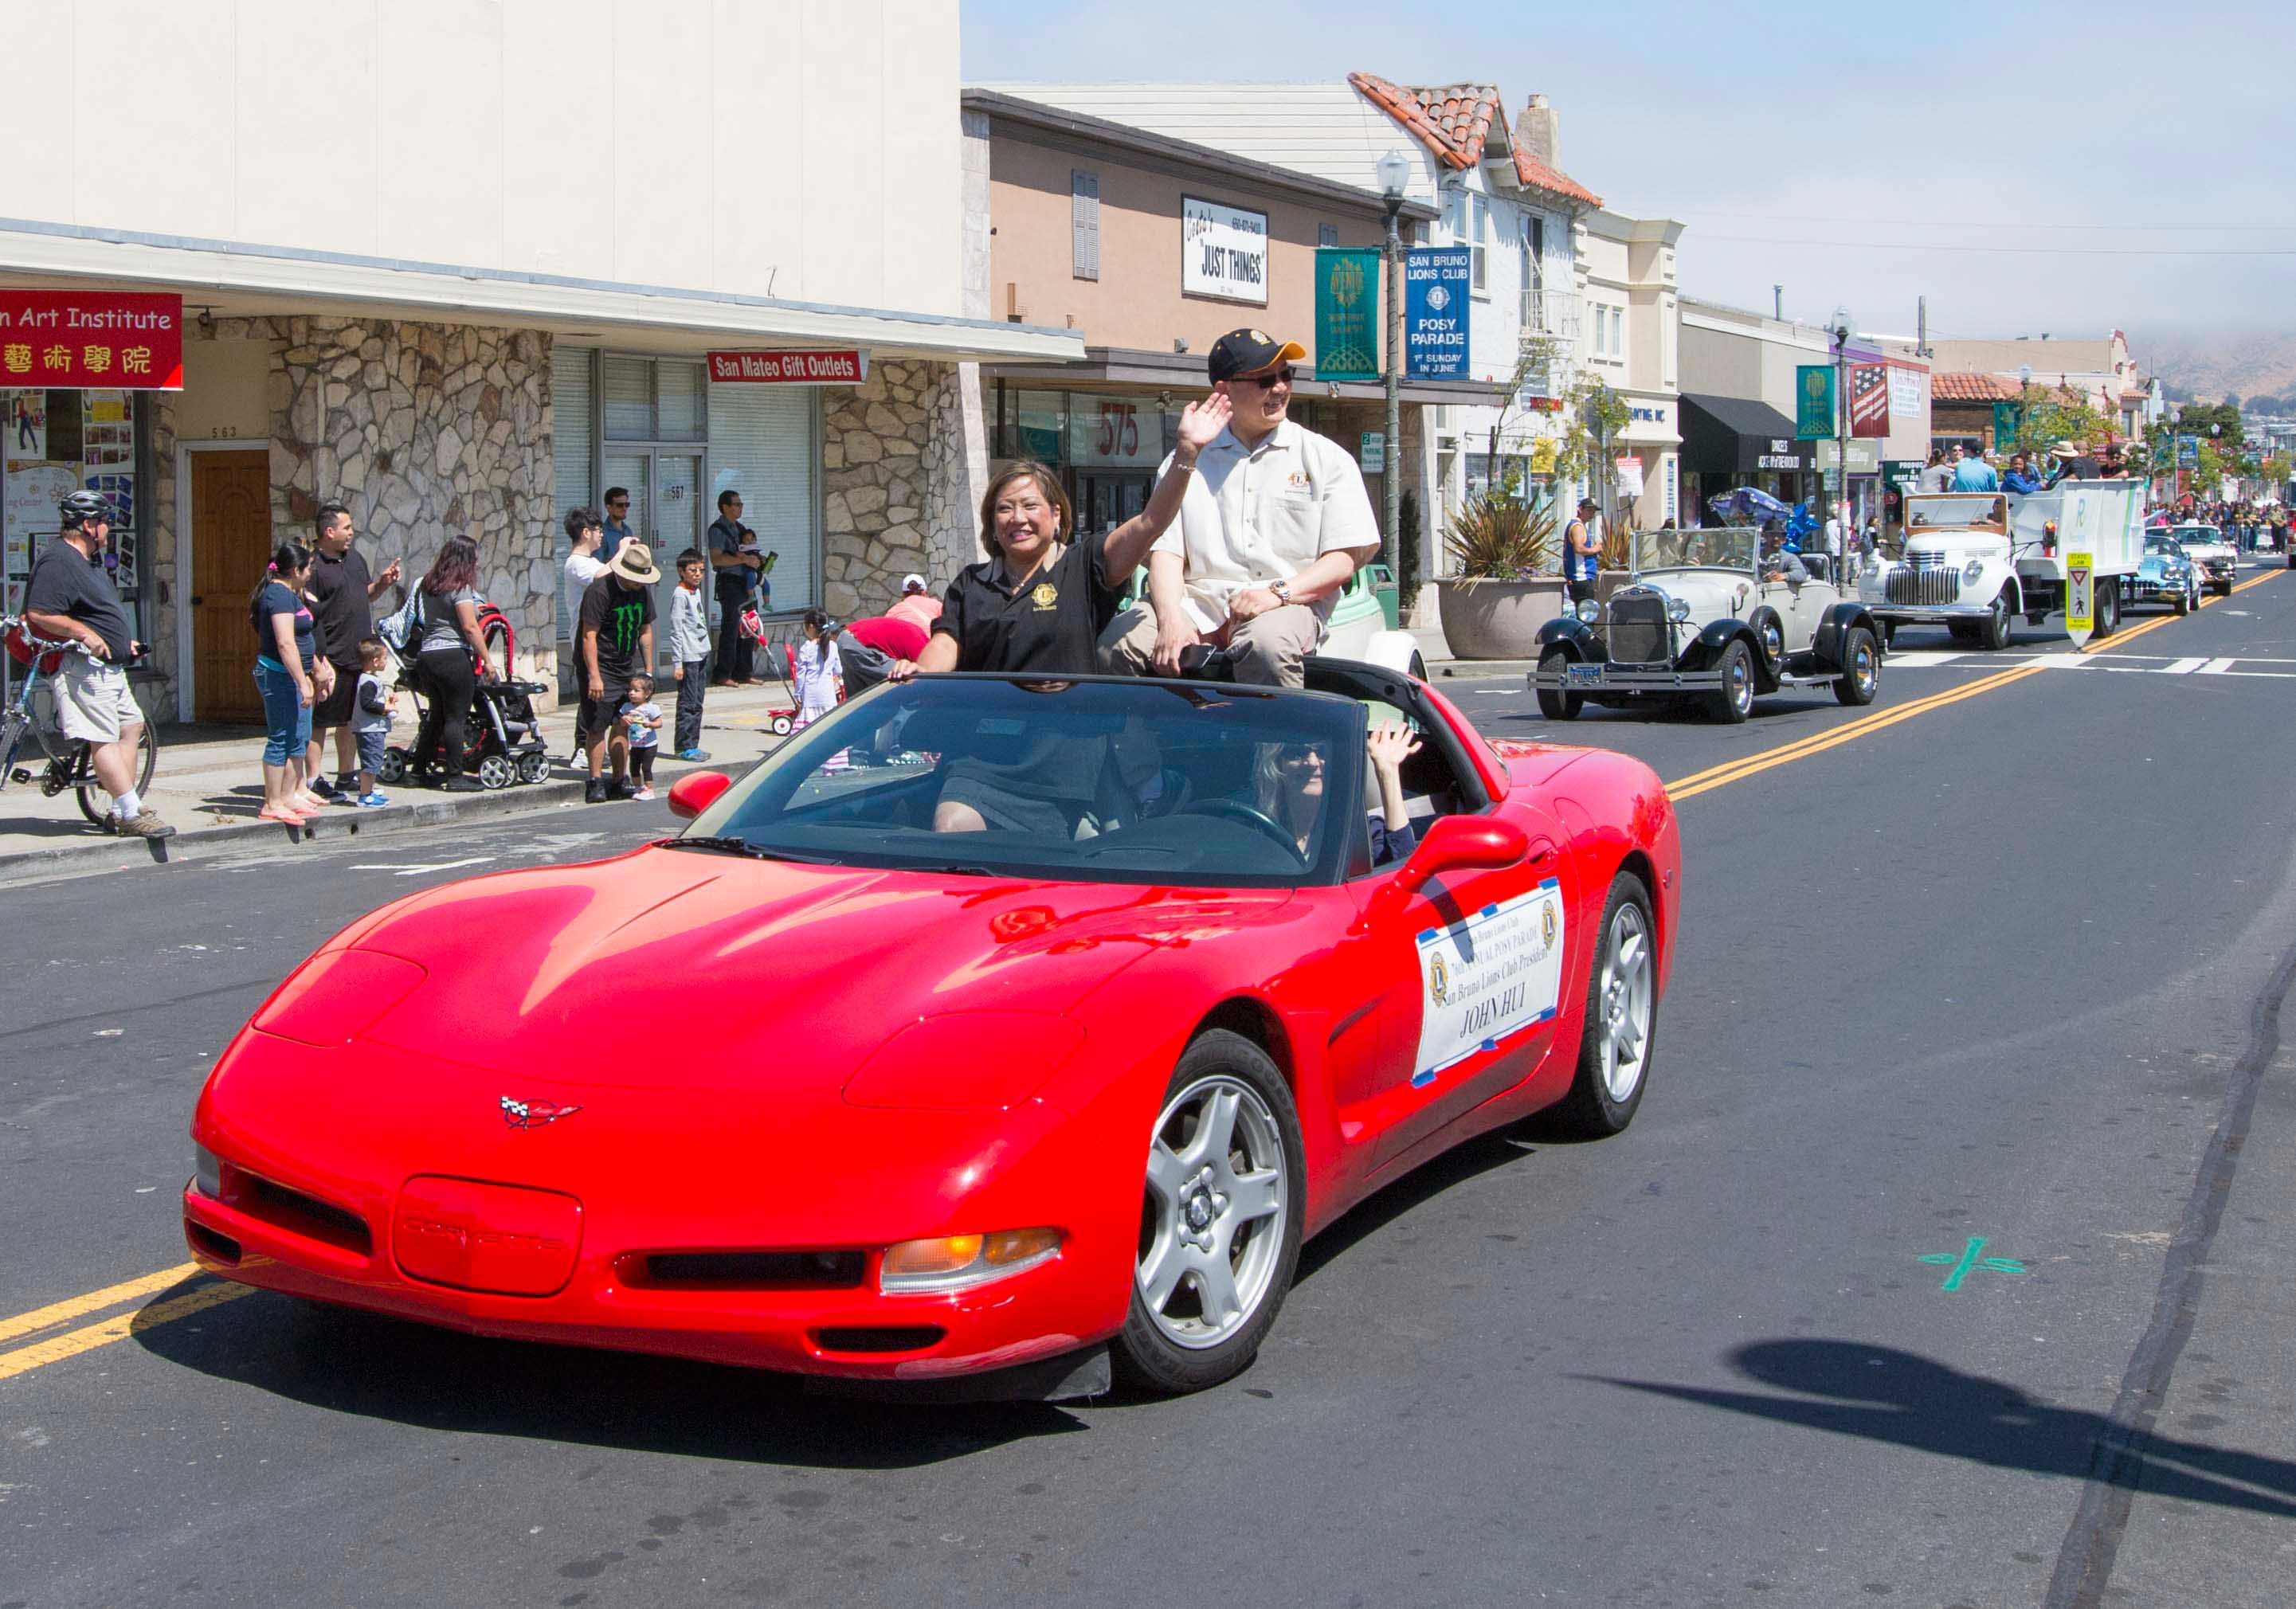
[(588, 138)]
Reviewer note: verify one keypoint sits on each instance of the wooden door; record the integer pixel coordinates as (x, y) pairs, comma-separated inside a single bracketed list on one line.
[(231, 542)]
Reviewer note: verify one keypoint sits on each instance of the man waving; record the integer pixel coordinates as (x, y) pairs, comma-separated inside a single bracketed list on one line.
[(1272, 528)]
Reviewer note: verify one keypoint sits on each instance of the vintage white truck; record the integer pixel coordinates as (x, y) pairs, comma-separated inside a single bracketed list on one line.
[(1976, 560)]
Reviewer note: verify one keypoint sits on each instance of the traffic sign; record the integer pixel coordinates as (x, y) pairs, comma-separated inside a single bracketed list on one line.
[(2080, 595)]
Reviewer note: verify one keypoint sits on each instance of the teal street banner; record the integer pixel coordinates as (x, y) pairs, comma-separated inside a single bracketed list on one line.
[(1347, 313)]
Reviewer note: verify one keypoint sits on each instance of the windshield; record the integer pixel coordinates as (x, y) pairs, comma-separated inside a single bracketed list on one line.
[(1182, 783), (1967, 510), (2162, 547), (1731, 546), (2207, 534)]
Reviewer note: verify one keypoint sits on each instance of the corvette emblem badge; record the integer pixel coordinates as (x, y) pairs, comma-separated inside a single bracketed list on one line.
[(533, 1113)]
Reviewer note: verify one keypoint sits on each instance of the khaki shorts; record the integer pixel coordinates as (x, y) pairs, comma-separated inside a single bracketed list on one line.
[(94, 703)]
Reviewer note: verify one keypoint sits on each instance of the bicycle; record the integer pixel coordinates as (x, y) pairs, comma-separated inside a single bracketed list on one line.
[(32, 714)]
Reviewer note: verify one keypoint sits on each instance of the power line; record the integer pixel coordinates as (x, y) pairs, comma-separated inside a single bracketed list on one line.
[(1765, 240), (1970, 222)]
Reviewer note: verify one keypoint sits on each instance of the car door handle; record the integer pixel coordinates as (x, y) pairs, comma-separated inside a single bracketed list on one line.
[(1540, 856)]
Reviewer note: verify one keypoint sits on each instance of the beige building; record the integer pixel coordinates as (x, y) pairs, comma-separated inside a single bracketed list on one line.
[(2100, 371), (465, 324), (1628, 286), (1103, 228)]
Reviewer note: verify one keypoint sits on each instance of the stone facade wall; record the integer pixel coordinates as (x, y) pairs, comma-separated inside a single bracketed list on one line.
[(425, 431), (899, 469)]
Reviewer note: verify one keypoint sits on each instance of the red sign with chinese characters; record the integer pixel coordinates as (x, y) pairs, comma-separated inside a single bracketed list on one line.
[(110, 340), (846, 367)]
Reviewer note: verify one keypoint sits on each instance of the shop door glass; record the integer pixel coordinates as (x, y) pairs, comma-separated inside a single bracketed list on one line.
[(678, 525)]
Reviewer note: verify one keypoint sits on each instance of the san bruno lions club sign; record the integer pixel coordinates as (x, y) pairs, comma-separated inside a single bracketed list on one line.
[(837, 366), (105, 340)]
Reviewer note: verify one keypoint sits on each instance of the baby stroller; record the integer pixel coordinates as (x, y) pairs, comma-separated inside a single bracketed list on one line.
[(502, 738)]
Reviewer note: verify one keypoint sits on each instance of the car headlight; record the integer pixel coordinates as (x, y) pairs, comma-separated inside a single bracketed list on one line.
[(1678, 610), (955, 1262), (1972, 571), (1588, 610), (207, 1172)]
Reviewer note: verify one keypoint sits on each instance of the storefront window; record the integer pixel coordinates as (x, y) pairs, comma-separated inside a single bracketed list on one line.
[(54, 442), (1035, 422)]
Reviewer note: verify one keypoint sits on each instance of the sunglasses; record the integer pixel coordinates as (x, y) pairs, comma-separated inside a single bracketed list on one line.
[(1299, 756), (1268, 382)]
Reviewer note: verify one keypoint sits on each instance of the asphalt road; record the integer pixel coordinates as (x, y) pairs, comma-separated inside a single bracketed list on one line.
[(1945, 1264)]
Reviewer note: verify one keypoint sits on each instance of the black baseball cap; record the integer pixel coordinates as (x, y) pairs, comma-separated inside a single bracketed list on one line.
[(1241, 352)]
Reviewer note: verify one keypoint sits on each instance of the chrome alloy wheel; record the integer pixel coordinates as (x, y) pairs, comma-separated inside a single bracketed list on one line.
[(1862, 670), (1741, 685), (1211, 1223), (1625, 1001)]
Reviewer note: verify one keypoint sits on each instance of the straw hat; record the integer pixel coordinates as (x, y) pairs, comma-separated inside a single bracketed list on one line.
[(634, 562)]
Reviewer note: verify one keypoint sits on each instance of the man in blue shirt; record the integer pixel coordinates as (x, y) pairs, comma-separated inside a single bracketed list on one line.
[(1973, 474), (616, 530), (1582, 551)]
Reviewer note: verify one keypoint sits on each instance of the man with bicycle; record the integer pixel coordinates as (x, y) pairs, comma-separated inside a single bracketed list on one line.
[(70, 599)]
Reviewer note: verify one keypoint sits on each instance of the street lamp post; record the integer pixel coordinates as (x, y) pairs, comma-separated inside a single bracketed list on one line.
[(1844, 327), (1394, 174)]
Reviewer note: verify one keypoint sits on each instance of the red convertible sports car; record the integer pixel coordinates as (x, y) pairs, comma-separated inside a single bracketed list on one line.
[(831, 1084)]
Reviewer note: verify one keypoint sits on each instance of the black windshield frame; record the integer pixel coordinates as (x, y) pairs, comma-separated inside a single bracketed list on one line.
[(759, 807)]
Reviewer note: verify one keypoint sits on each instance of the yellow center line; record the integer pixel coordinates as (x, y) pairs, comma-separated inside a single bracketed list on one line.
[(2133, 632), (110, 1295), (72, 1342)]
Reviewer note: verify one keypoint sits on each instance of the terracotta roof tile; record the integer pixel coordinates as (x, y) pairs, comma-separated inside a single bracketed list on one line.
[(1454, 122), (1961, 386)]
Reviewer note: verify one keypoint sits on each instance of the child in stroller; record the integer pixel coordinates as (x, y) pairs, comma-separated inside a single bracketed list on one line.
[(504, 742)]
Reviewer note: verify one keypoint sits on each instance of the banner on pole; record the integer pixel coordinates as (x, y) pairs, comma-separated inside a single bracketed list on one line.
[(1814, 402), (1347, 313), (1435, 310), (1869, 399)]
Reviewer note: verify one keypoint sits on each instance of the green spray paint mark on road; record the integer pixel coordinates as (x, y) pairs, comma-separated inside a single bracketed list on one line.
[(1969, 1259)]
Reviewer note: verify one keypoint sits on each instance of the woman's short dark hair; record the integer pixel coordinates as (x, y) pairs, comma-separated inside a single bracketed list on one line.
[(456, 568), (1048, 482), (579, 521)]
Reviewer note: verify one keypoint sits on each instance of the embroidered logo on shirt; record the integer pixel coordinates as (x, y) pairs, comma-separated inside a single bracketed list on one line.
[(1298, 481), (1045, 596)]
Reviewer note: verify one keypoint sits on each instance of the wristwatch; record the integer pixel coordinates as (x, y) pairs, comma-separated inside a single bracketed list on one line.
[(1283, 593)]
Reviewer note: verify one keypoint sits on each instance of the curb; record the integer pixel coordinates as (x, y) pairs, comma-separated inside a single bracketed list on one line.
[(104, 854)]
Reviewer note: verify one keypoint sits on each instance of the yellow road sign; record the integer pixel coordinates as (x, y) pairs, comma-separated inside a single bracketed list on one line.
[(2080, 595)]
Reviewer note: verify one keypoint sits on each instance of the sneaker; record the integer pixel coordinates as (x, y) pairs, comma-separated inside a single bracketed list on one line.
[(692, 754), (320, 788), (618, 789), (461, 785), (146, 825), (644, 793), (373, 801), (595, 793)]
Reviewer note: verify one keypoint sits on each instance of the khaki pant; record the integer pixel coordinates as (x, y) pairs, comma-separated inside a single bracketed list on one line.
[(1270, 649)]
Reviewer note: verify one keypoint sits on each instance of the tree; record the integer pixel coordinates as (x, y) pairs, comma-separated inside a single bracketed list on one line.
[(2194, 419), (2052, 415)]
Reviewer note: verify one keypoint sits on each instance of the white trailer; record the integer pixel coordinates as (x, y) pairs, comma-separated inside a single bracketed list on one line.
[(1976, 560)]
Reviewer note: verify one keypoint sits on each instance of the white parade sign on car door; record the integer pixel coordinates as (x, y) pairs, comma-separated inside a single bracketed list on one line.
[(1496, 973)]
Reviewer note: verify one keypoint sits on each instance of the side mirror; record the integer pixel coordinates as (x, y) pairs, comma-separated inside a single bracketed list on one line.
[(1463, 843), (696, 791)]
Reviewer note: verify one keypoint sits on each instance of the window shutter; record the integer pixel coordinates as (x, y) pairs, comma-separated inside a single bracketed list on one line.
[(1084, 221)]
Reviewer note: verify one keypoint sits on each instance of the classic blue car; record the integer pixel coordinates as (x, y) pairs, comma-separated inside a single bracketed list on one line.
[(2166, 575)]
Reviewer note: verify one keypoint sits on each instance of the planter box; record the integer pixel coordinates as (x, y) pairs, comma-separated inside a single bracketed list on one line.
[(1498, 619)]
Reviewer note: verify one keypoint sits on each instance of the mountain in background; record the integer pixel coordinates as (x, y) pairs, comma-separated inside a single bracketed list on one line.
[(2212, 364)]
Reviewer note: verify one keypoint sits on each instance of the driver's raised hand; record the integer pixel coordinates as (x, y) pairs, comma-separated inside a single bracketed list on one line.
[(1200, 423)]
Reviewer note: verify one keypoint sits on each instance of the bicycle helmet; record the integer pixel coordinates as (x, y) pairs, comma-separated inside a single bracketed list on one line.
[(78, 508)]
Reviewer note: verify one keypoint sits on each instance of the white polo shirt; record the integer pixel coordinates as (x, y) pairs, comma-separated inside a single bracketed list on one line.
[(1253, 517)]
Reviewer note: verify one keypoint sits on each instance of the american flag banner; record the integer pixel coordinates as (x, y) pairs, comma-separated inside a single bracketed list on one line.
[(1869, 399)]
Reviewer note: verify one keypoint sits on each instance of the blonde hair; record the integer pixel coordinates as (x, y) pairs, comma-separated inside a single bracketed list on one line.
[(1048, 482)]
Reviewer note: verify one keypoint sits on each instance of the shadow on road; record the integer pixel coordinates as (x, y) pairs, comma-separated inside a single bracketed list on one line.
[(1882, 1394), (1415, 1188), (432, 1379)]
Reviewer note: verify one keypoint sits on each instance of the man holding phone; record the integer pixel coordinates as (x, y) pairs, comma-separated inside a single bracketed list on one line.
[(738, 566)]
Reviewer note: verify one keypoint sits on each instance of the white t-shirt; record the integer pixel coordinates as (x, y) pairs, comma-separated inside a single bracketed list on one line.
[(581, 570), (1253, 517)]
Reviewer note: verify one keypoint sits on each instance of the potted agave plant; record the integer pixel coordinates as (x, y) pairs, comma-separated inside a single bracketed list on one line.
[(1507, 555)]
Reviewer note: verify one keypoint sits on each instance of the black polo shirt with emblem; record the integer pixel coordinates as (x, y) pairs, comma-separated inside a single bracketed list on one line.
[(1051, 623)]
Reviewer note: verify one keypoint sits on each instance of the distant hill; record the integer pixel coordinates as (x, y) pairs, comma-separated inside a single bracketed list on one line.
[(2214, 363)]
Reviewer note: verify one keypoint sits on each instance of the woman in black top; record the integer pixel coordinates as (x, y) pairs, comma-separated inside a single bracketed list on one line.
[(448, 651), (1040, 603), (283, 659)]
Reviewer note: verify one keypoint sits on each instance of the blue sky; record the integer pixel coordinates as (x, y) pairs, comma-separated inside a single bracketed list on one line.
[(1857, 154)]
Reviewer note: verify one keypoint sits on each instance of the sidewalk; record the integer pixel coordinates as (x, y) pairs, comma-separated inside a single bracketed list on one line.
[(208, 786)]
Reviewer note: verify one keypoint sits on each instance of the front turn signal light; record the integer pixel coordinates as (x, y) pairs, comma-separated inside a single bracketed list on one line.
[(950, 1263)]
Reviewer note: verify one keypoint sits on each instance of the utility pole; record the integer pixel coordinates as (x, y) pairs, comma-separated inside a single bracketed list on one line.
[(1394, 173)]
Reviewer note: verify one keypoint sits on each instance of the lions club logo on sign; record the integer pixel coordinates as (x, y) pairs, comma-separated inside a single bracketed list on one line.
[(1439, 981), (1547, 923), (1438, 297)]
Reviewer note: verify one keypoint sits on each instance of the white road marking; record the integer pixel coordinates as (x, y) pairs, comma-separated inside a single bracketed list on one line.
[(2183, 667), (410, 871), (2216, 667)]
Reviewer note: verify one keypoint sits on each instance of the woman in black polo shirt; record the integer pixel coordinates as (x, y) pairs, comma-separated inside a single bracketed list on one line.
[(1040, 602)]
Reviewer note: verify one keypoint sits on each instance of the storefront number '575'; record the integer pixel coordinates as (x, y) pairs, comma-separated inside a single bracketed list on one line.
[(1119, 430)]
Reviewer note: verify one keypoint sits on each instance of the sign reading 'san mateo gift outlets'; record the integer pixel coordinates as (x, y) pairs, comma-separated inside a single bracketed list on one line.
[(110, 340), (846, 367)]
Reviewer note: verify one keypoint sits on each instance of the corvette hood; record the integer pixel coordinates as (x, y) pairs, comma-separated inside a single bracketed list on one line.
[(676, 967)]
